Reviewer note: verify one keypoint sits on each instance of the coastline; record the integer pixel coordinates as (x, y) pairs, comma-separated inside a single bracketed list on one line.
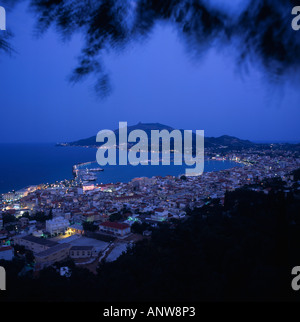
[(86, 163), (67, 174)]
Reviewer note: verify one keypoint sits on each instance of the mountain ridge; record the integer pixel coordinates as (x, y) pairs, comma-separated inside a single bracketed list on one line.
[(221, 141)]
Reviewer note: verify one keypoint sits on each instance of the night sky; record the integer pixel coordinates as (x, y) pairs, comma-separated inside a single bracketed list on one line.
[(153, 81)]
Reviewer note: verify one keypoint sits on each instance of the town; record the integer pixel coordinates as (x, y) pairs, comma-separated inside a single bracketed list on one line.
[(90, 223)]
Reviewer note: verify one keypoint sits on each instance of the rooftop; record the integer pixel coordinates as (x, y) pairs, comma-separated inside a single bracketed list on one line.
[(38, 240), (52, 250), (4, 248), (82, 247), (115, 225)]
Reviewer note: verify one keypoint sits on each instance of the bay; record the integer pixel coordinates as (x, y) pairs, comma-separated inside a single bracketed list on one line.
[(22, 165)]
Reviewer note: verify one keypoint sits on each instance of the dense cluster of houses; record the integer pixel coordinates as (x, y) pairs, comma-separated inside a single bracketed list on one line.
[(151, 200)]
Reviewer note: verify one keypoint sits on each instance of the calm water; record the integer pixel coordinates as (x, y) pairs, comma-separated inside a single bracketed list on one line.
[(30, 164)]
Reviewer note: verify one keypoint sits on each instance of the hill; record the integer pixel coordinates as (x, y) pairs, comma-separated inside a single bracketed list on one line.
[(213, 142)]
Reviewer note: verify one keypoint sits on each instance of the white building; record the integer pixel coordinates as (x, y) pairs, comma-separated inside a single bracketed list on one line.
[(159, 214), (57, 225), (9, 196)]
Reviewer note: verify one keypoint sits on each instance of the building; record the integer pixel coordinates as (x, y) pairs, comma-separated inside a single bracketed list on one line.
[(75, 229), (54, 254), (9, 196), (91, 216), (3, 237), (82, 252), (88, 187), (21, 193), (57, 225), (6, 253), (115, 228), (24, 221), (124, 199), (35, 244), (159, 214)]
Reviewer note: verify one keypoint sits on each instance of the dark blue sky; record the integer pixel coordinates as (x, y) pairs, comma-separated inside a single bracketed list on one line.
[(154, 81)]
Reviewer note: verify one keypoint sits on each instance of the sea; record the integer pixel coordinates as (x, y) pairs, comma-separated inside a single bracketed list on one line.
[(22, 165)]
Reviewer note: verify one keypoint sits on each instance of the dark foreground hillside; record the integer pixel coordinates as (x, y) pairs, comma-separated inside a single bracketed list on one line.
[(244, 250)]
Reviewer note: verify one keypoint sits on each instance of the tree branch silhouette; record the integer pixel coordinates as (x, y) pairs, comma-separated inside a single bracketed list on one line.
[(261, 33)]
